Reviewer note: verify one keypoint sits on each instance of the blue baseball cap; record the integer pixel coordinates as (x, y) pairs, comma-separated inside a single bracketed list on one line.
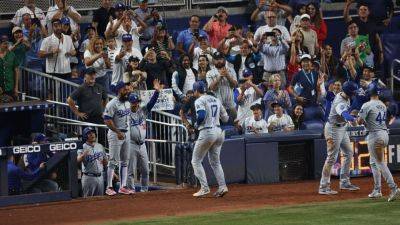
[(118, 86), (40, 138), (65, 21), (90, 70), (247, 73), (126, 37), (120, 6), (134, 98)]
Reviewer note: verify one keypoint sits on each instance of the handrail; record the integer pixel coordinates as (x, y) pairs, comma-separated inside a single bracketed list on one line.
[(169, 114), (392, 73)]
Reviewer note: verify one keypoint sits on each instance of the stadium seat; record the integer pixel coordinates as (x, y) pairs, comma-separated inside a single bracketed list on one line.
[(313, 113), (315, 124)]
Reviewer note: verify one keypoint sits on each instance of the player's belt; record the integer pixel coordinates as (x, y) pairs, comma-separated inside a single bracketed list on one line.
[(93, 174), (123, 130), (338, 124), (204, 128)]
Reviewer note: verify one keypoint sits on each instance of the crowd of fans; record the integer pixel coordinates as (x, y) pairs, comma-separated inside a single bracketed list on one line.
[(273, 78)]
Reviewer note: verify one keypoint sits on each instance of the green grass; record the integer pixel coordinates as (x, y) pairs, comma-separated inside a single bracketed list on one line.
[(359, 212)]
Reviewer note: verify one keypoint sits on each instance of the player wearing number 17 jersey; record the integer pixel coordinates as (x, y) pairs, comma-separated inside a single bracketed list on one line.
[(373, 115), (209, 111)]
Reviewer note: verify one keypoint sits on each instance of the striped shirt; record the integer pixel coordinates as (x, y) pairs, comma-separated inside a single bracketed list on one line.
[(224, 91), (274, 56)]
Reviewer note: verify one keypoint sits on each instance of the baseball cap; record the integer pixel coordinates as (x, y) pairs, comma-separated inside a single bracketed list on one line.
[(126, 37), (133, 59), (119, 6), (370, 68), (218, 55), (305, 56), (40, 138), (90, 27), (134, 98), (256, 106), (119, 86), (142, 1), (3, 38), (276, 104), (221, 8), (65, 21), (247, 73), (15, 29), (304, 16), (90, 70)]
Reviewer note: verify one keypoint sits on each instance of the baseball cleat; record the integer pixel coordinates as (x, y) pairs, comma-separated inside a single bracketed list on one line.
[(326, 191), (394, 194), (348, 186), (375, 194), (110, 192), (124, 191), (131, 191), (221, 192), (202, 192)]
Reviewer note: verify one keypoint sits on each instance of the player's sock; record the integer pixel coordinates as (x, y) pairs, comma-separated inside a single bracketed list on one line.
[(124, 174), (110, 174)]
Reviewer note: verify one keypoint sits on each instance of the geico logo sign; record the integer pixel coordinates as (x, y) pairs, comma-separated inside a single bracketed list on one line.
[(65, 146), (26, 149)]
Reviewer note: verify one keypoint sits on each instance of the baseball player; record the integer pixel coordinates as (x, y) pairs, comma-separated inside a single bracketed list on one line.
[(93, 160), (138, 154), (337, 138), (116, 117), (373, 115), (209, 110)]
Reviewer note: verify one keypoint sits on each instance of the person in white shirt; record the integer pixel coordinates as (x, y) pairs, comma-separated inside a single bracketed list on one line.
[(31, 9), (253, 124), (270, 18), (62, 9), (125, 25), (184, 77), (122, 58), (57, 49), (310, 38), (112, 51), (96, 57), (246, 95), (203, 48), (279, 121)]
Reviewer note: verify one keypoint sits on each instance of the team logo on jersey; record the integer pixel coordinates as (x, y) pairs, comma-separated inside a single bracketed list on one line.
[(122, 113)]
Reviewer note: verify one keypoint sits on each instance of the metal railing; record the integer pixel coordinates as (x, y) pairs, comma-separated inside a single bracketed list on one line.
[(164, 130), (394, 75)]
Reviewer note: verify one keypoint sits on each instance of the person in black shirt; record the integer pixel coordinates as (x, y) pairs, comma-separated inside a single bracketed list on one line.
[(101, 17), (91, 99), (155, 68)]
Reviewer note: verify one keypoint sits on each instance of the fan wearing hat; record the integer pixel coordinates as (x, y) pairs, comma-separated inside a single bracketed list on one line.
[(368, 76), (217, 26), (122, 57), (58, 50), (280, 121), (254, 124), (135, 76), (201, 46), (304, 86), (62, 9), (310, 36), (222, 80), (126, 25), (20, 45), (245, 95), (9, 72)]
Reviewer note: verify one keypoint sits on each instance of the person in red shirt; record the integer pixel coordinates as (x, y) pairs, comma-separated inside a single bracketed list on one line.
[(217, 27), (317, 22)]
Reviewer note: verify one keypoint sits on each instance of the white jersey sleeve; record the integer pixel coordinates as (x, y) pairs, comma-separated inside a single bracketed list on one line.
[(341, 107)]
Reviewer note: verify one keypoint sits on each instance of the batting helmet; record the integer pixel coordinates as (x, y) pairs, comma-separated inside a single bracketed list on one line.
[(199, 86), (134, 98), (373, 88), (349, 88), (86, 132)]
